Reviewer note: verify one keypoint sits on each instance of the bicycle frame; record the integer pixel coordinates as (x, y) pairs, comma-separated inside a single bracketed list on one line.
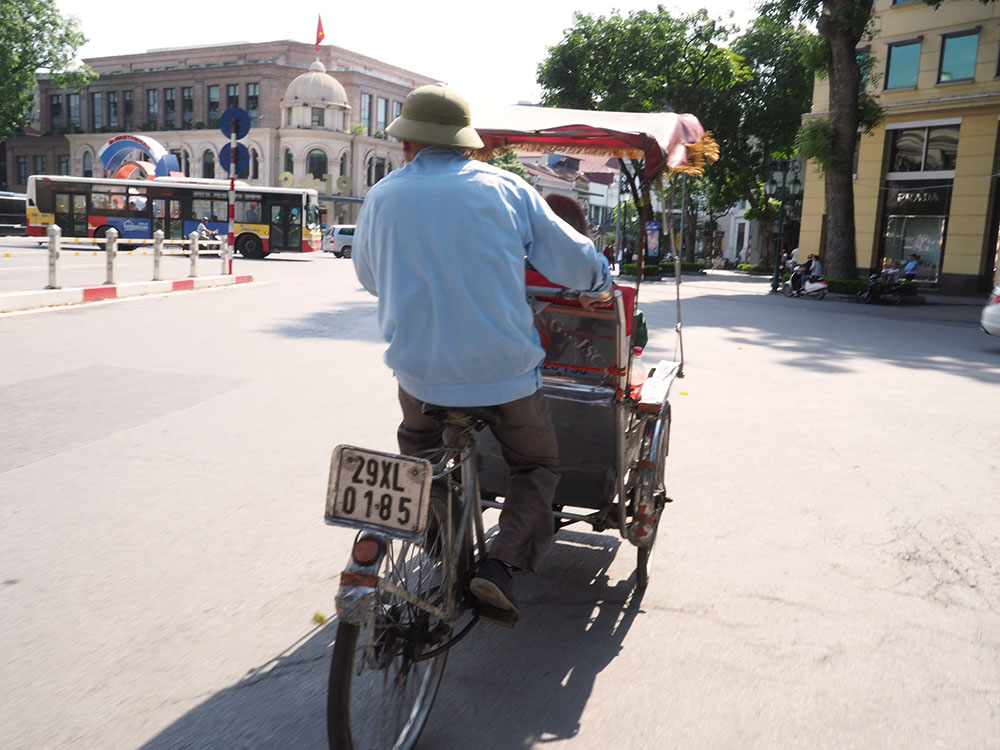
[(454, 470)]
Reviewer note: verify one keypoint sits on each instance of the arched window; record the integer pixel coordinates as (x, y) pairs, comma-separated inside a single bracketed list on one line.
[(316, 163), (343, 163), (88, 164), (376, 170), (289, 162), (208, 164), (185, 162)]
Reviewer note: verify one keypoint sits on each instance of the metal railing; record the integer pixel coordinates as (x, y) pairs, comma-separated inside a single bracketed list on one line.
[(193, 243)]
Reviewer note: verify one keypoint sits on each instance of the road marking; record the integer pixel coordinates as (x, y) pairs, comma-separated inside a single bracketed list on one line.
[(117, 300)]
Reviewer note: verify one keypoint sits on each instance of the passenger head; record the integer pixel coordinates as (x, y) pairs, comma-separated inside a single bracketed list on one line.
[(569, 211)]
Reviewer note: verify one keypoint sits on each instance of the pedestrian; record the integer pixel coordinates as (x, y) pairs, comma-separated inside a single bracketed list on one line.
[(442, 243), (910, 269), (609, 253)]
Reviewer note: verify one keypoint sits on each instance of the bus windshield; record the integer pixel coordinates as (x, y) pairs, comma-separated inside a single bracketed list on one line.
[(312, 213)]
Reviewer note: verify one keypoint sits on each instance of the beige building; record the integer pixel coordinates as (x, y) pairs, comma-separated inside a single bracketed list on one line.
[(925, 180), (316, 120)]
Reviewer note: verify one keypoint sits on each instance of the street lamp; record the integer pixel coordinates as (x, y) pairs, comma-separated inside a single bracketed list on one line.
[(784, 183)]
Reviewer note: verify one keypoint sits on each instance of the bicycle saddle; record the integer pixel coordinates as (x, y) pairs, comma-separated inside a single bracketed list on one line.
[(462, 416)]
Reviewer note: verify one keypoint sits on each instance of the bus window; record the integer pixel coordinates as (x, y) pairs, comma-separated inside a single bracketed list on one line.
[(213, 210), (159, 210), (80, 215), (117, 203), (100, 201), (248, 212), (294, 226)]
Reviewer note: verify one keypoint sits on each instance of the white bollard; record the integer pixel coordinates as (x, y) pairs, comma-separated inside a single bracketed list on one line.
[(193, 250), (157, 253), (55, 240), (110, 251), (224, 251)]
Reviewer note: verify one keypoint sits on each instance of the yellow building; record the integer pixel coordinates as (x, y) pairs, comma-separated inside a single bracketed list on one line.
[(925, 180)]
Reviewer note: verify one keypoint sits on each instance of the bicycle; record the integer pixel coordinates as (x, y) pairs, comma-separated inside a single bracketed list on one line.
[(404, 600)]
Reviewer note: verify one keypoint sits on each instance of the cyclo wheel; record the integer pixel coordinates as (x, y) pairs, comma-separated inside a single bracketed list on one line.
[(655, 443), (385, 673)]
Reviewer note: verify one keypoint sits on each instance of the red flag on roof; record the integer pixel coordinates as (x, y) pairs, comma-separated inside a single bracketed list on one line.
[(320, 36)]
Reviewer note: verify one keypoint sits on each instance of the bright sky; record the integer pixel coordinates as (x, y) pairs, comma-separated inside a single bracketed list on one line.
[(488, 52)]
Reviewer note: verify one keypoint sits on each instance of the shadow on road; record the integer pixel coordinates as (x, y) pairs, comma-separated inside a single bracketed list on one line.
[(827, 336), (501, 688), (513, 688), (354, 321)]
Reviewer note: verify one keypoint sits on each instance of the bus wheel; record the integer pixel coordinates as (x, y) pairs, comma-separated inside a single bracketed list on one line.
[(99, 234), (250, 246)]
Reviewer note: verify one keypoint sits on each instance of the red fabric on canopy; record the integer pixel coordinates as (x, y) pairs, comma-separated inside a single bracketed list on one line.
[(659, 138)]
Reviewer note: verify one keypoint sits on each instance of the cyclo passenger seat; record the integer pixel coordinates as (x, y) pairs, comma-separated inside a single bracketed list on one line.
[(463, 417)]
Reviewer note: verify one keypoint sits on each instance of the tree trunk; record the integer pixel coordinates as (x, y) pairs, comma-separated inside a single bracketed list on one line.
[(841, 26)]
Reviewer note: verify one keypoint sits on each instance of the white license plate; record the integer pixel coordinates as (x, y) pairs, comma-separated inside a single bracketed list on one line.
[(385, 490)]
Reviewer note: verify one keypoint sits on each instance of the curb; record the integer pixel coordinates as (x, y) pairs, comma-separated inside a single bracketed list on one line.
[(16, 301)]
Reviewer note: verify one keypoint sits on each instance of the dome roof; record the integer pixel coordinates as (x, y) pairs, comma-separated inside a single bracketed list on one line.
[(316, 87)]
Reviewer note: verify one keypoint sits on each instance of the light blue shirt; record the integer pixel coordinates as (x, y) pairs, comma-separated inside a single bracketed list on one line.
[(441, 243)]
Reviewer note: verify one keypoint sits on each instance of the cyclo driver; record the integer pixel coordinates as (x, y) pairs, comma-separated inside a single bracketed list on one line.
[(442, 243)]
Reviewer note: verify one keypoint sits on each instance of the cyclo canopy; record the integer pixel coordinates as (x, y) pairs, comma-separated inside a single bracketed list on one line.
[(667, 142)]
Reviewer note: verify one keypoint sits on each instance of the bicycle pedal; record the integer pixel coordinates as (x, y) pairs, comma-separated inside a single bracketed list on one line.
[(504, 617)]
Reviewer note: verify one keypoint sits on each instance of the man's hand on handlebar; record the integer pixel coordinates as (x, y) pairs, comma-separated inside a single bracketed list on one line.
[(602, 299)]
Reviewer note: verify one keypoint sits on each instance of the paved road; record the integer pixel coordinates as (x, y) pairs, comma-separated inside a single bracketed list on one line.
[(827, 576)]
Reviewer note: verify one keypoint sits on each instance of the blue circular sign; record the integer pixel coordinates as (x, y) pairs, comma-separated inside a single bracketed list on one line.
[(242, 158), (236, 119)]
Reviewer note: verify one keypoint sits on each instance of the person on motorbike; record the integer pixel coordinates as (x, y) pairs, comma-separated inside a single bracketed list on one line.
[(442, 243), (814, 268), (204, 233)]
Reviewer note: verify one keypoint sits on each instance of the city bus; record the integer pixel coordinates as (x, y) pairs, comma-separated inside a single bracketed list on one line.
[(267, 220), (13, 213)]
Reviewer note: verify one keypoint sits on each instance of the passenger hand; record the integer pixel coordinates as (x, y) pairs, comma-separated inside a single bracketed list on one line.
[(602, 299)]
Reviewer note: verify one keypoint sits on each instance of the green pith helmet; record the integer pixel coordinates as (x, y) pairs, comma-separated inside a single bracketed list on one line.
[(436, 116)]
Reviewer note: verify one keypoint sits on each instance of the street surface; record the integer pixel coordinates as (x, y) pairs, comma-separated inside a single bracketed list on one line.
[(827, 576)]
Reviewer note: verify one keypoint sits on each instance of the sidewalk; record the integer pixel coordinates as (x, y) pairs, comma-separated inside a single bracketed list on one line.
[(30, 300)]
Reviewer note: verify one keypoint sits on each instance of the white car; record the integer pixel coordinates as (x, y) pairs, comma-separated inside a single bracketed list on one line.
[(990, 320), (338, 240)]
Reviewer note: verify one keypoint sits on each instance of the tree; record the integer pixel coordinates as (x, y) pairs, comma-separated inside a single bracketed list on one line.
[(841, 24), (34, 37), (508, 160), (750, 93), (647, 61), (773, 101)]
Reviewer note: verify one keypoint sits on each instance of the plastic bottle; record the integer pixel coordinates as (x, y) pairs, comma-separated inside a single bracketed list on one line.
[(637, 375)]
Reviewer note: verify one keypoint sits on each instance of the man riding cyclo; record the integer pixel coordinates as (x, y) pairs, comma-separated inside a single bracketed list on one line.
[(442, 243)]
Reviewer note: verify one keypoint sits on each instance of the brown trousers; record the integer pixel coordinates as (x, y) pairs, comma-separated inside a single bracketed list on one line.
[(528, 441)]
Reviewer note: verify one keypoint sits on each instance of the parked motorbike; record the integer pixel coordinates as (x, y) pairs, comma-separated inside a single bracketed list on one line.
[(800, 284), (873, 291)]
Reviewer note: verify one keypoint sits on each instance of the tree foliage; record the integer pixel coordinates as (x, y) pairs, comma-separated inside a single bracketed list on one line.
[(749, 91), (35, 38), (508, 160)]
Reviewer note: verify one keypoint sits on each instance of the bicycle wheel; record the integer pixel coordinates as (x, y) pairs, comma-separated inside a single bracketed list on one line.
[(655, 443), (385, 673)]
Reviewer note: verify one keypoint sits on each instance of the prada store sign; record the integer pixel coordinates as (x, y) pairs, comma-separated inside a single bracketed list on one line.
[(918, 197)]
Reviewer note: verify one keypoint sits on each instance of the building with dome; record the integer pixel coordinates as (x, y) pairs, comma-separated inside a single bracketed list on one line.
[(318, 119)]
